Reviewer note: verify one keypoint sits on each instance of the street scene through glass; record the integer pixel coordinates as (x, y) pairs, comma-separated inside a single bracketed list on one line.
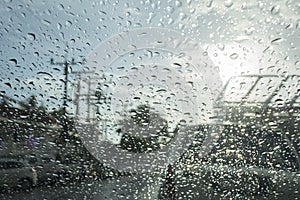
[(151, 100)]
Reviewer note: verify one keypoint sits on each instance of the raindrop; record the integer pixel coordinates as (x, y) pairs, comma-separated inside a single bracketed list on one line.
[(182, 16), (228, 3), (244, 6), (61, 7), (177, 64), (275, 10), (13, 61), (120, 68), (8, 8), (234, 56), (45, 73), (56, 69), (161, 90), (289, 26), (46, 22), (8, 84), (191, 83), (149, 54), (249, 30), (59, 26), (31, 36), (166, 70), (170, 9), (151, 15), (182, 122), (68, 23), (209, 3), (276, 41), (278, 100), (178, 3), (221, 46), (36, 54)]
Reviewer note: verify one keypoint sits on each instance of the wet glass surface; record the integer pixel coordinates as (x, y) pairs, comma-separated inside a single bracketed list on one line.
[(149, 99)]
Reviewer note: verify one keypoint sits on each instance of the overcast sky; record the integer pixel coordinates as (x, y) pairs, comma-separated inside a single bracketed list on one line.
[(249, 38)]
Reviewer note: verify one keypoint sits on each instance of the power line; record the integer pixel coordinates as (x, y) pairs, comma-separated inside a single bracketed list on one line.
[(66, 64)]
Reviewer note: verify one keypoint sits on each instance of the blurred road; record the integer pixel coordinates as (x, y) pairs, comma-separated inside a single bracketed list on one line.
[(121, 188)]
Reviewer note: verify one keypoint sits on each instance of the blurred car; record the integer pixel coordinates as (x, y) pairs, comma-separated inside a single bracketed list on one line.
[(49, 170), (244, 163), (98, 171), (15, 173), (256, 154)]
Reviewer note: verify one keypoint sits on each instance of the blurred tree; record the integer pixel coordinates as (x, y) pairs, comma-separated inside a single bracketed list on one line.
[(4, 104), (142, 130), (32, 102)]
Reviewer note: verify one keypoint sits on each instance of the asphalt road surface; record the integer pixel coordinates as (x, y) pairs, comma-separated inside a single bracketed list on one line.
[(137, 187)]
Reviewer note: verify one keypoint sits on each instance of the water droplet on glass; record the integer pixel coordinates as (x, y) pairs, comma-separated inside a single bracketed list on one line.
[(275, 10), (8, 84), (68, 23), (72, 41), (221, 46), (228, 3), (61, 7), (276, 41), (249, 30), (177, 64), (205, 53), (161, 90), (234, 56), (13, 61), (31, 36), (136, 98), (151, 15), (46, 22), (59, 26), (209, 3), (170, 9), (178, 3)]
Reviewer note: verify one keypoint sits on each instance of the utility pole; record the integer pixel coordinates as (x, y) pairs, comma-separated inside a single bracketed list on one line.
[(78, 92), (95, 98), (66, 64)]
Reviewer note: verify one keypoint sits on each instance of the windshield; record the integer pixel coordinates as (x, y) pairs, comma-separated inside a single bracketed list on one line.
[(247, 147), (104, 99)]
